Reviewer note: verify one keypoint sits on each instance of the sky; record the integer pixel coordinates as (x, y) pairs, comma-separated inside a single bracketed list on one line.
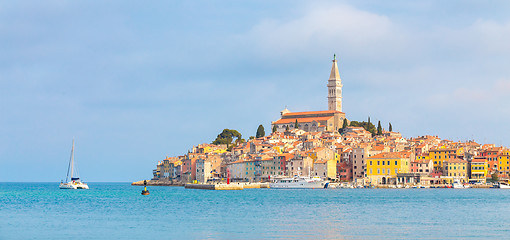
[(135, 81)]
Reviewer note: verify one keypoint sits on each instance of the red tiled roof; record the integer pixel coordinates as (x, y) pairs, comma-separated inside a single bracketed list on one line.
[(302, 120), (456, 160), (311, 112), (389, 155), (479, 160), (321, 161)]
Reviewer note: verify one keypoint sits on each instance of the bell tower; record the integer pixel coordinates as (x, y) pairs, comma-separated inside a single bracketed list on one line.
[(334, 88)]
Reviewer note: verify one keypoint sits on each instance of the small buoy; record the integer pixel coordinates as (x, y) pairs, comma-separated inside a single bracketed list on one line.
[(145, 191)]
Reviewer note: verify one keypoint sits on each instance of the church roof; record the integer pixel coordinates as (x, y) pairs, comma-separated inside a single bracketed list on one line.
[(302, 120), (310, 113)]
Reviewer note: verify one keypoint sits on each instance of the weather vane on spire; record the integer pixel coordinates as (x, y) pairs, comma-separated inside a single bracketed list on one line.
[(334, 57)]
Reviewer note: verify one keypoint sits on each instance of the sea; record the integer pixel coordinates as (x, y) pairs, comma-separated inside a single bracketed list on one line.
[(119, 211)]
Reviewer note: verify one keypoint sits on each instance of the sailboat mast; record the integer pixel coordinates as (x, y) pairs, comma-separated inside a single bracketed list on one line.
[(69, 168), (72, 161)]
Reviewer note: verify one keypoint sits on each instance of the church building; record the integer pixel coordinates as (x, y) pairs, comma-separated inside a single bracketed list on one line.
[(318, 121)]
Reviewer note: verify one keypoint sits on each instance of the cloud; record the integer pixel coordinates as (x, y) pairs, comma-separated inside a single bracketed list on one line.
[(491, 37), (481, 95), (323, 28)]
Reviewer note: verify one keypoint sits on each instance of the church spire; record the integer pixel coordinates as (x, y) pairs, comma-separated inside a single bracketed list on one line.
[(334, 88), (334, 70)]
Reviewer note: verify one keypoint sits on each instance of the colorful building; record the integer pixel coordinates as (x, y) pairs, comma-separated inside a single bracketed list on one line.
[(456, 168), (504, 165), (385, 166), (479, 169), (439, 155)]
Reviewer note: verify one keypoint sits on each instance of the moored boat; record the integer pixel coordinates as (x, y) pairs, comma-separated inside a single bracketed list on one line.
[(299, 182), (458, 184), (75, 182)]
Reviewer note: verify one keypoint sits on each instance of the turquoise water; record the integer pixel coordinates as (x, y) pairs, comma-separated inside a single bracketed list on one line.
[(118, 211)]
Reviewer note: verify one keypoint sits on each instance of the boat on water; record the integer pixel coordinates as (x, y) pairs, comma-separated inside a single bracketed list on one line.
[(299, 182), (458, 184), (504, 185), (72, 179)]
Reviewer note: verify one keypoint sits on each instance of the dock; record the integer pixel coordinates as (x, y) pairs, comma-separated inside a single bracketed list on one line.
[(158, 183)]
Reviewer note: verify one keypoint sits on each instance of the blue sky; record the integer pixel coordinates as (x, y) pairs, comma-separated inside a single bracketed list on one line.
[(135, 81)]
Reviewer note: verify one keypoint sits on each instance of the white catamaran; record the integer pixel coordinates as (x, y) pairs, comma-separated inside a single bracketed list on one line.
[(75, 182)]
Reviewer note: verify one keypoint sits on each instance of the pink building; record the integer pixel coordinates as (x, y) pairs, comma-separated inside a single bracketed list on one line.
[(422, 166)]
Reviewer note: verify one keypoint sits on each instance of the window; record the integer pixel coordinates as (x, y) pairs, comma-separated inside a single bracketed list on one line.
[(370, 163), (396, 163), (383, 163)]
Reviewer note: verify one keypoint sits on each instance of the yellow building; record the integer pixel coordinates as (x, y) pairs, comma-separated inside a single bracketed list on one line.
[(479, 169), (423, 156), (439, 155), (456, 168), (383, 166), (338, 157), (504, 165)]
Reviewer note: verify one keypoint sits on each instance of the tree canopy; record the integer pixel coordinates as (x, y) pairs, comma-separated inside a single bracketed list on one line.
[(344, 125), (379, 128), (366, 125), (390, 128), (260, 131), (227, 137)]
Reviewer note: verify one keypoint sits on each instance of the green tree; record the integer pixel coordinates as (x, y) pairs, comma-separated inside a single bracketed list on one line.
[(344, 125), (227, 137), (379, 128), (287, 128), (355, 124), (274, 128), (495, 177), (390, 128), (366, 125), (296, 125), (260, 131)]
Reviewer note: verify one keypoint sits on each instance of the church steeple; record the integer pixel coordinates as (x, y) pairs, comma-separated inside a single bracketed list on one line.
[(334, 70), (334, 88)]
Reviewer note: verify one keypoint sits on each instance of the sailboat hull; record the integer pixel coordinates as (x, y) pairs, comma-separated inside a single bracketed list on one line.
[(75, 185)]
